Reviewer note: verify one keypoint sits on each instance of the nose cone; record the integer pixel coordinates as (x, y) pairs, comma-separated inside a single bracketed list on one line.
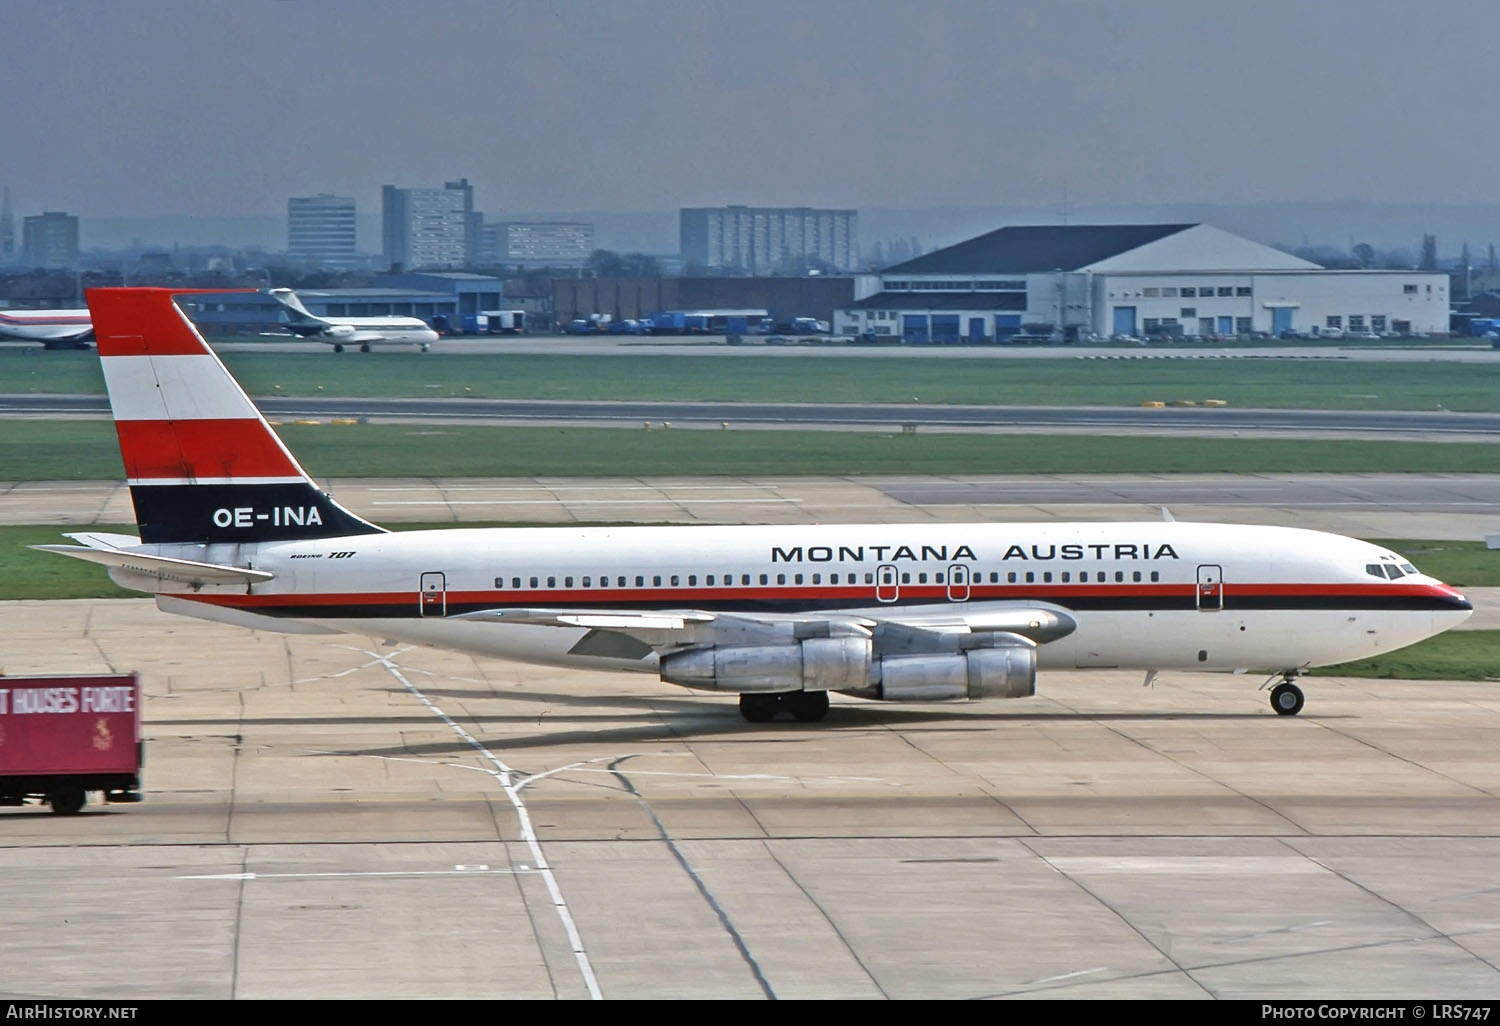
[(1453, 608)]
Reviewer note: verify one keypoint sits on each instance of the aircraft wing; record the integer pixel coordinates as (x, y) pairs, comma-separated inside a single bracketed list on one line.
[(114, 551), (911, 629)]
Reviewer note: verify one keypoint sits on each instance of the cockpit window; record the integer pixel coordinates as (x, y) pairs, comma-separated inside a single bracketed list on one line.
[(1389, 571)]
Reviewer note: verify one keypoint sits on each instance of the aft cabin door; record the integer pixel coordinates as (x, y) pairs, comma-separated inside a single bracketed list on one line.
[(1210, 588), (887, 582), (432, 599)]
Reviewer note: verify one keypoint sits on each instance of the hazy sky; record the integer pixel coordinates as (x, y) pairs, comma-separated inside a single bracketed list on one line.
[(203, 107)]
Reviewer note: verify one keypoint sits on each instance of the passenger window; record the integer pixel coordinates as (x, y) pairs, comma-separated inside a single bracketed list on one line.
[(817, 578), (797, 579), (640, 582), (1065, 577), (937, 578), (1030, 576), (567, 582), (692, 579), (1155, 575), (587, 581), (1136, 576), (620, 582), (763, 578), (1010, 578), (656, 581), (781, 578), (833, 578), (1046, 576), (499, 583), (533, 582), (921, 578), (1119, 576), (869, 578), (906, 578), (552, 582), (675, 580)]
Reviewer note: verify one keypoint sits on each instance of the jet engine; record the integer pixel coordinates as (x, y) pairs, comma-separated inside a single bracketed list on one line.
[(988, 665)]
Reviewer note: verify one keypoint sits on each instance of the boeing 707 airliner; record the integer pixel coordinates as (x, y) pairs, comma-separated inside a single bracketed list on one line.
[(232, 529)]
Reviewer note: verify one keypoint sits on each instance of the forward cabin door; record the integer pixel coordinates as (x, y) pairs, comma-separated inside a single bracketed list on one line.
[(887, 582), (1210, 588), (958, 583), (432, 594)]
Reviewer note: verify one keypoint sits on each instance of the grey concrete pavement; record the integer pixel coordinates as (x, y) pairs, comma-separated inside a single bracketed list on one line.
[(326, 817)]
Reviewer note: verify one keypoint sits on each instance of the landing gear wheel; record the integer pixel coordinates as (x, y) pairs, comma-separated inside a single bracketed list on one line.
[(337, 348), (365, 348), (759, 708), (66, 801), (1286, 699), (806, 706), (426, 348)]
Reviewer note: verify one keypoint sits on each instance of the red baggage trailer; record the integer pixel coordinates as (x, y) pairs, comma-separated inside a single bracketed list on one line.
[(63, 736)]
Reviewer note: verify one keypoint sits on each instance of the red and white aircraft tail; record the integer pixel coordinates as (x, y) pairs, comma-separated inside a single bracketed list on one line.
[(202, 464)]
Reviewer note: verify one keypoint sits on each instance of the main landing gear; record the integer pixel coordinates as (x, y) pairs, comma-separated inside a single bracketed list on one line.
[(1286, 697), (805, 706)]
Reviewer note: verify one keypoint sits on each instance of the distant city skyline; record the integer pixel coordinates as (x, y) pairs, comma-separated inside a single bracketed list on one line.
[(218, 109)]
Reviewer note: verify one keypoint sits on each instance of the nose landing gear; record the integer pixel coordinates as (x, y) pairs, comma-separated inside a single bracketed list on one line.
[(1286, 697)]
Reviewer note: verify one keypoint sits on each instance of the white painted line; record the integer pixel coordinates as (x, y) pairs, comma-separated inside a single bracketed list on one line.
[(506, 776), (1065, 976)]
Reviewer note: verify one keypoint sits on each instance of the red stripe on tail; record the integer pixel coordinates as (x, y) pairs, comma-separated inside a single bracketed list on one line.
[(142, 322), (202, 449)]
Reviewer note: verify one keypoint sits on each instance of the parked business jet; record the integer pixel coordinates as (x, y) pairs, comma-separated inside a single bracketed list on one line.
[(233, 530), (54, 329), (364, 332)]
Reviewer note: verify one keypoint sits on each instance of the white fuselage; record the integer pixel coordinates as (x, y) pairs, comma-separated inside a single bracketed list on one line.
[(367, 331), (1155, 595), (45, 325)]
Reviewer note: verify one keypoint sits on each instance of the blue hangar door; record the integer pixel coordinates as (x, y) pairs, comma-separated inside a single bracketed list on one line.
[(945, 328), (1124, 320), (914, 327), (976, 329), (1281, 319)]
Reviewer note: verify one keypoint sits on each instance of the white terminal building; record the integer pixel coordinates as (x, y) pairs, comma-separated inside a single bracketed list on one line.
[(1076, 281)]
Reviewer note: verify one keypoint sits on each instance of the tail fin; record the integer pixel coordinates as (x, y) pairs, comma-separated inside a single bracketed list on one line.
[(202, 463), (289, 300)]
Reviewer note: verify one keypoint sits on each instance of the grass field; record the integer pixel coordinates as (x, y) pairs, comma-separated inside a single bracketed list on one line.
[(87, 450), (1456, 655), (1325, 384)]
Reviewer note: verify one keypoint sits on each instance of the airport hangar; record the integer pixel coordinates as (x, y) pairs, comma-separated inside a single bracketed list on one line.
[(1080, 281)]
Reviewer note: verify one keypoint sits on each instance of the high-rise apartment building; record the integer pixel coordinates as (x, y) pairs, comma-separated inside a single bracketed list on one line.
[(538, 243), (428, 228), (50, 240), (769, 240), (320, 230)]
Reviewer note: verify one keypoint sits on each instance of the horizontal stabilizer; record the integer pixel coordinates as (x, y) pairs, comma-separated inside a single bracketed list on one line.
[(165, 568)]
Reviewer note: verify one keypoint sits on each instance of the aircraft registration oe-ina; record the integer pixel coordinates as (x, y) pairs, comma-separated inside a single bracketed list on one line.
[(233, 530), (54, 329), (365, 332)]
